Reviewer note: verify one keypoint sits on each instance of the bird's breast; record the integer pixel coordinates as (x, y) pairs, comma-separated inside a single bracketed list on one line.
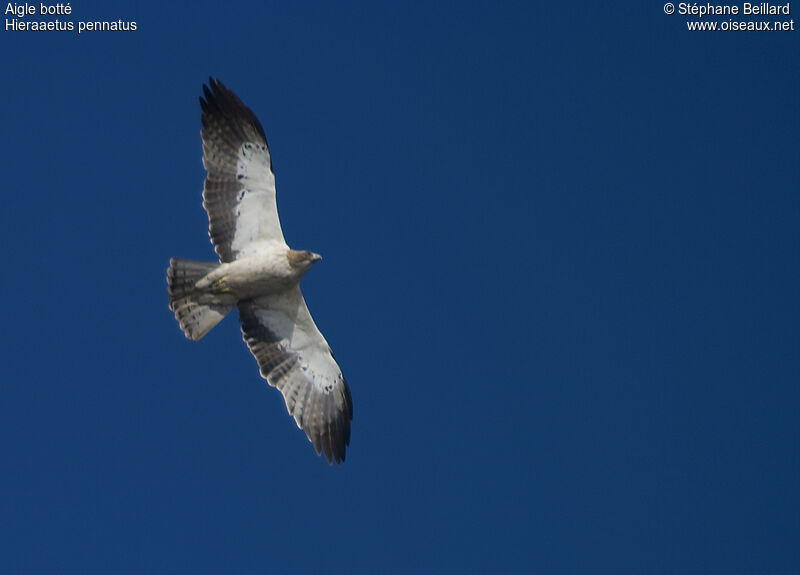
[(260, 274)]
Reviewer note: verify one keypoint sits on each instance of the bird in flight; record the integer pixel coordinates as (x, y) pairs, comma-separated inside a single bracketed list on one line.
[(259, 275)]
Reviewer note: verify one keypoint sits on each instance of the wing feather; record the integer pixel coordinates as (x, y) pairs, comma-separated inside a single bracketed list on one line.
[(239, 190), (294, 357)]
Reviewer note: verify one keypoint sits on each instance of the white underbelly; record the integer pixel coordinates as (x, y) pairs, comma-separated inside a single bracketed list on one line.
[(257, 275)]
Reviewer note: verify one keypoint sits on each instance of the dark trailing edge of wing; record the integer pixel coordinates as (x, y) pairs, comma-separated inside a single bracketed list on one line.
[(219, 102)]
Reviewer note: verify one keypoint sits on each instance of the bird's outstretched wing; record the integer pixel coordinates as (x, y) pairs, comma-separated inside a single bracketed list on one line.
[(239, 191), (294, 357)]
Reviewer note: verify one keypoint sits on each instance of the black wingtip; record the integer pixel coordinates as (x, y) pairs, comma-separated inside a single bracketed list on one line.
[(341, 440), (221, 102)]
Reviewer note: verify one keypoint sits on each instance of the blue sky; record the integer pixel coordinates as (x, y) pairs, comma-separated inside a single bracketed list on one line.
[(560, 273)]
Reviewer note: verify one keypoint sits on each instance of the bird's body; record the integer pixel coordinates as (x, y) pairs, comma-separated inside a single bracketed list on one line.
[(260, 275), (266, 271)]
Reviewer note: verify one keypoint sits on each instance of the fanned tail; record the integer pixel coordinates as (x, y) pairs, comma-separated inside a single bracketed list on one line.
[(195, 311)]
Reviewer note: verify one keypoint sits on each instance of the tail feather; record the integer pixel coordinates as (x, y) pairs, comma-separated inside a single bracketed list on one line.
[(193, 310)]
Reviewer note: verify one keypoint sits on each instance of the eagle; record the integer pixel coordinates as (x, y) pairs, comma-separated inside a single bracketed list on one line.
[(259, 275)]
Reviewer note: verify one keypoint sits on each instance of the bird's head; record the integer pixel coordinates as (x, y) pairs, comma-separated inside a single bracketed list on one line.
[(302, 259)]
